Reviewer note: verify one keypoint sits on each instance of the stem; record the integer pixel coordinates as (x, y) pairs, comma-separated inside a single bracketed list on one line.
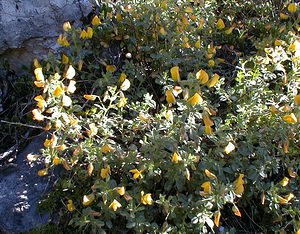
[(21, 124)]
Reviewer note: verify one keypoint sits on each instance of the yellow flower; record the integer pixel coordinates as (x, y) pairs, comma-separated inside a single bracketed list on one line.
[(283, 16), (198, 44), (96, 21), (285, 200), (125, 85), (51, 143), (70, 206), (201, 23), (162, 31), (220, 24), (291, 118), (136, 173), (89, 32), (71, 87), (56, 160), (170, 97), (88, 199), (169, 116), (107, 148), (209, 174), (62, 40), (195, 99), (90, 169), (211, 63), (211, 49), (202, 76), (175, 73), (236, 211), (146, 199), (144, 117), (297, 100), (70, 72), (229, 148), (121, 190), (83, 34), (39, 84), (295, 46), (239, 185), (207, 121), (206, 189), (66, 101), (80, 64), (41, 103), (43, 172), (164, 4), (122, 77), (58, 91), (208, 129), (188, 10), (115, 205), (217, 218), (119, 17), (122, 102), (38, 72), (292, 173), (284, 182), (90, 97), (66, 26), (292, 7), (65, 59), (176, 157), (111, 68), (289, 197), (37, 115), (105, 172), (213, 81), (229, 31)]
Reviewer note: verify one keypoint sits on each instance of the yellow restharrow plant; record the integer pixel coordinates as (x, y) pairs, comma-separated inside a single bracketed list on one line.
[(220, 24), (213, 81), (210, 174), (239, 185), (170, 98), (136, 173), (88, 199), (120, 190), (115, 205), (217, 218), (175, 73), (291, 118), (105, 172), (206, 186), (195, 99), (96, 21), (202, 76), (176, 157), (70, 206), (146, 199)]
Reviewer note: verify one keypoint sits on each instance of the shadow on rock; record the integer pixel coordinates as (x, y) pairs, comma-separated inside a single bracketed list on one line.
[(20, 191)]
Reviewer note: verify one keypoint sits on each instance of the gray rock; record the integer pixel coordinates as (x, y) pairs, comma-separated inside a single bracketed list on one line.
[(20, 191), (29, 28)]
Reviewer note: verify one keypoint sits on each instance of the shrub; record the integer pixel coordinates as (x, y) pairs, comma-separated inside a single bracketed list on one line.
[(174, 117)]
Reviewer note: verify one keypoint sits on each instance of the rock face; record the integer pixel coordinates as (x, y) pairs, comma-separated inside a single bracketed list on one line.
[(20, 191), (29, 28)]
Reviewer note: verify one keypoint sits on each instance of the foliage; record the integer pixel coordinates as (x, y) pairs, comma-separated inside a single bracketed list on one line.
[(174, 117)]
